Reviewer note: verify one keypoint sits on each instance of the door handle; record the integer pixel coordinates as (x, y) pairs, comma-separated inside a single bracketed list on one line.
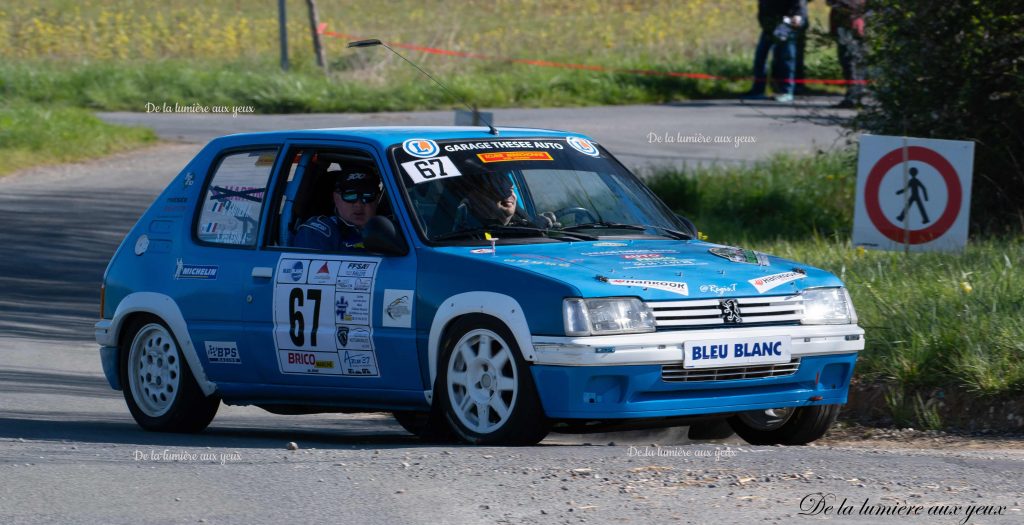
[(262, 272)]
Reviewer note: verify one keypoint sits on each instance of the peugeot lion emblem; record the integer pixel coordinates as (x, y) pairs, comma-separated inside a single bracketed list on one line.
[(730, 311)]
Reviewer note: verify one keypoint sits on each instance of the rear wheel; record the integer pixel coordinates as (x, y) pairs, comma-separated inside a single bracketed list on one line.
[(485, 386), (784, 426), (158, 385)]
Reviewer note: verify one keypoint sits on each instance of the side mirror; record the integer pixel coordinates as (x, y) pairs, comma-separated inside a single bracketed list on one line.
[(687, 226), (380, 236)]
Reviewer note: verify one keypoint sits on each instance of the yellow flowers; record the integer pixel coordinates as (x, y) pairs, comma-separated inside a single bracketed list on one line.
[(586, 31), (966, 287), (861, 252), (701, 236)]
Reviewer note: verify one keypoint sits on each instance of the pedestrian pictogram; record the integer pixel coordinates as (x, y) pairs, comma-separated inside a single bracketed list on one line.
[(912, 194), (916, 189)]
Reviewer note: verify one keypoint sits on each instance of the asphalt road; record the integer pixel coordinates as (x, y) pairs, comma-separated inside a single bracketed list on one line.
[(641, 136), (70, 453)]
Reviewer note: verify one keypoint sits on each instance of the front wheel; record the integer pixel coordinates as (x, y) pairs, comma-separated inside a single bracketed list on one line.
[(159, 388), (784, 426), (485, 385)]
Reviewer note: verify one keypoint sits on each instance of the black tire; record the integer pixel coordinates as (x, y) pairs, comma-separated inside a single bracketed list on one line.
[(804, 425), (524, 422), (430, 426), (184, 409)]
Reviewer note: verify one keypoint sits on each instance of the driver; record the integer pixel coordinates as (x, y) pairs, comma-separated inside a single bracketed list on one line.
[(357, 193), (493, 202)]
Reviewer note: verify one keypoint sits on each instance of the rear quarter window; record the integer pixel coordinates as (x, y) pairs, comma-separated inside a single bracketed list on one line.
[(234, 199)]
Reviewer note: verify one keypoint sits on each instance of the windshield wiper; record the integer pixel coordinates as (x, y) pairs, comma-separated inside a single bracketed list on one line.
[(604, 225), (521, 231)]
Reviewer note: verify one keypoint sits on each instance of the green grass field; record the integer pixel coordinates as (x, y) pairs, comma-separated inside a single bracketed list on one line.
[(32, 134), (92, 55)]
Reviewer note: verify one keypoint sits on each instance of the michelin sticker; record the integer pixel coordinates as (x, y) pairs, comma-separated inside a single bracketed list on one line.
[(222, 352), (668, 286), (322, 318), (397, 308), (583, 146), (426, 170), (768, 282), (195, 271), (421, 148)]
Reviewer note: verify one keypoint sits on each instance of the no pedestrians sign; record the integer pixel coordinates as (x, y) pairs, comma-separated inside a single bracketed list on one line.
[(912, 194)]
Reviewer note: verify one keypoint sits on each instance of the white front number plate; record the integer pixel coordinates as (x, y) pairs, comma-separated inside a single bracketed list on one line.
[(736, 352)]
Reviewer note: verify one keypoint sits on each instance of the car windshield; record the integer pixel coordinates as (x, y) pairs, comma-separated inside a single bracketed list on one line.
[(514, 189)]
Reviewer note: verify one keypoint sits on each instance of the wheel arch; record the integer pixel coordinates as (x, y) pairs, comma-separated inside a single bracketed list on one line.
[(162, 307), (505, 309)]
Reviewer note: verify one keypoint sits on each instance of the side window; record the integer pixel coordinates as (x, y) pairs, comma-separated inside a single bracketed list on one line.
[(235, 197)]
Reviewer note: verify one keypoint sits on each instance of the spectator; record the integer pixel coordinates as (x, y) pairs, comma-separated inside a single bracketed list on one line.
[(780, 21), (846, 25)]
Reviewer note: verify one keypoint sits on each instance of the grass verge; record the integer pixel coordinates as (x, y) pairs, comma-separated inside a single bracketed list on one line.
[(932, 319), (31, 134)]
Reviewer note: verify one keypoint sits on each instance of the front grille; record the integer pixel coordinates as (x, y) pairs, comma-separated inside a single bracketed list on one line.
[(780, 309), (676, 373)]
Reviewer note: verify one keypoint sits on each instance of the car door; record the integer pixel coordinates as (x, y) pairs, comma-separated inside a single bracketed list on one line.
[(209, 271), (333, 326)]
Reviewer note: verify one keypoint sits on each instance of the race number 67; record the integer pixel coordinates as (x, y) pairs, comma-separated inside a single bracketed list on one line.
[(296, 321), (426, 170)]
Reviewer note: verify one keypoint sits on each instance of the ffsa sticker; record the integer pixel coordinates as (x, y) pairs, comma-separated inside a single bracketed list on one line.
[(426, 170)]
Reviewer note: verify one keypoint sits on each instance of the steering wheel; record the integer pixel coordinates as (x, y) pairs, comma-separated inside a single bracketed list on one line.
[(576, 213)]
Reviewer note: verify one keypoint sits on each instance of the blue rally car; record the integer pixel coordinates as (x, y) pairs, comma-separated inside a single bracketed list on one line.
[(485, 287)]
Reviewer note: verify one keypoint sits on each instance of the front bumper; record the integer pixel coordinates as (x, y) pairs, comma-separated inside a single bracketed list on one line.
[(638, 391), (617, 377)]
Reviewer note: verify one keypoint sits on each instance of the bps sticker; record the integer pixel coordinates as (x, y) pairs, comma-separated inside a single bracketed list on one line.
[(583, 146), (763, 284), (222, 352), (421, 148)]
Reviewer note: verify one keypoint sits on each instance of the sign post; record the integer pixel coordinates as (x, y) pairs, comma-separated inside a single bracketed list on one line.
[(913, 194)]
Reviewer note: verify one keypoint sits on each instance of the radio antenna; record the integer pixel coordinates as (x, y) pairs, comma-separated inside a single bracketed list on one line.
[(375, 42)]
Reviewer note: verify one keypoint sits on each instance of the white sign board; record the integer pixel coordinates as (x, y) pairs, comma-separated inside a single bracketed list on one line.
[(912, 193)]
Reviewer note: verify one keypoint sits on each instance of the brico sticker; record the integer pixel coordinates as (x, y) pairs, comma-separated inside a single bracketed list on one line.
[(768, 282), (668, 286), (510, 156), (301, 362)]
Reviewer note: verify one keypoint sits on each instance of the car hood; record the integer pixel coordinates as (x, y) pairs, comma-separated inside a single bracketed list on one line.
[(655, 269)]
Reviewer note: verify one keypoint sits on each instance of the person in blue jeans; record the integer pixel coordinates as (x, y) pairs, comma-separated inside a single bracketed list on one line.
[(781, 21)]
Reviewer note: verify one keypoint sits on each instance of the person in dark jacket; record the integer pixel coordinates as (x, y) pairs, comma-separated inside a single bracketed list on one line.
[(357, 193), (780, 21), (846, 24)]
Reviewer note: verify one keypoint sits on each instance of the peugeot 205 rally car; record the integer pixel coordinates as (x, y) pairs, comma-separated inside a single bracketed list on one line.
[(506, 284)]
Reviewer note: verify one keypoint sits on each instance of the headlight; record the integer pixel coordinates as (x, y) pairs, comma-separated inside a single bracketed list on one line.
[(828, 306), (606, 316)]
